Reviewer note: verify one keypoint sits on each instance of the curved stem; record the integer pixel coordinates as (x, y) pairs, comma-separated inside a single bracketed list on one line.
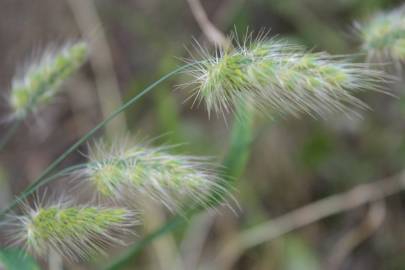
[(32, 188), (234, 164), (9, 133), (310, 213), (38, 182)]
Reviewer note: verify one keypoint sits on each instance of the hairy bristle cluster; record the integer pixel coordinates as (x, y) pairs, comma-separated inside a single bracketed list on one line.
[(73, 232), (383, 36), (276, 77), (42, 79), (125, 172)]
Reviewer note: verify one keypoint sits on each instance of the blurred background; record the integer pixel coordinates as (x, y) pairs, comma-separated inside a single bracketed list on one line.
[(293, 162)]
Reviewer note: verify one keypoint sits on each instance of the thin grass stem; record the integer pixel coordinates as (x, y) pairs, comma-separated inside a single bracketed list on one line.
[(33, 187)]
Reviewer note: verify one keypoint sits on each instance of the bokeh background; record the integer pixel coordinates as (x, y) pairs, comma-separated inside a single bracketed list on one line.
[(293, 162)]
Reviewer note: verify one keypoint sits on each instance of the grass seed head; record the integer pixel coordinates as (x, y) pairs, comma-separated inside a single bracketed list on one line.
[(75, 232), (277, 77), (383, 36), (127, 171), (42, 79)]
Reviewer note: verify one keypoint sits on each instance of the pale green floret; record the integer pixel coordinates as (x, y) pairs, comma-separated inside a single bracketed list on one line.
[(313, 71), (107, 178), (74, 232), (171, 174), (42, 80), (384, 36), (225, 80)]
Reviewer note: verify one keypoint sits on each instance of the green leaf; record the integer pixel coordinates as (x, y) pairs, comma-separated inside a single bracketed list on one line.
[(15, 259)]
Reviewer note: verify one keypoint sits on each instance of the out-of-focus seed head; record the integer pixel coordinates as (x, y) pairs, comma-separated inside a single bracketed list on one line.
[(42, 79), (383, 36), (127, 171), (277, 77), (75, 232)]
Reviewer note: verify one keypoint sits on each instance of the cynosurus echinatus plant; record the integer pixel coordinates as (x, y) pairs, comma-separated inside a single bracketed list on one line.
[(277, 77), (173, 180), (270, 76), (38, 84), (383, 36), (74, 232)]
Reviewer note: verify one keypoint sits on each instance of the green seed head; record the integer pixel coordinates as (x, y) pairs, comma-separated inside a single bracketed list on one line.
[(383, 36), (274, 76), (172, 180), (42, 79), (74, 232)]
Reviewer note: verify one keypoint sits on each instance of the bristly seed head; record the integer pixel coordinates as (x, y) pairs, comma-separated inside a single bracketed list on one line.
[(277, 77), (75, 232), (42, 79), (124, 172), (383, 36)]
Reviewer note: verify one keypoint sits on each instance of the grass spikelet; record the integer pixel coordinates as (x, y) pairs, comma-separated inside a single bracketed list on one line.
[(42, 79), (75, 232), (383, 36), (126, 172), (277, 77)]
